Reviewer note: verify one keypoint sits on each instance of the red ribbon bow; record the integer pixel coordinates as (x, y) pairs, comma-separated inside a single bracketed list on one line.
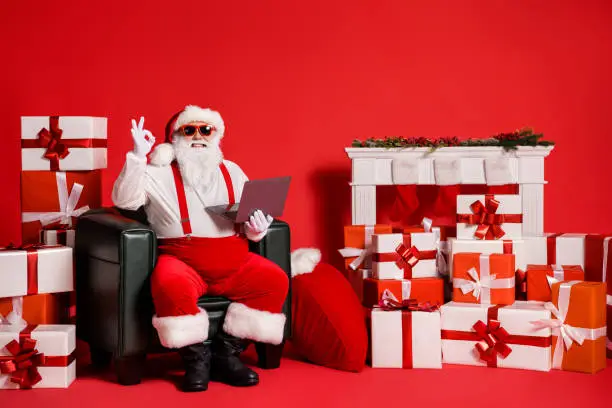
[(489, 223), (407, 256), (407, 304), (493, 341), (51, 139), (24, 362)]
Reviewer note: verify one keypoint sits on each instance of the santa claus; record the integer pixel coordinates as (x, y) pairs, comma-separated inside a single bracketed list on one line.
[(202, 253)]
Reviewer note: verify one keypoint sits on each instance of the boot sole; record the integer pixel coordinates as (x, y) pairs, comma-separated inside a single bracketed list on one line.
[(248, 383)]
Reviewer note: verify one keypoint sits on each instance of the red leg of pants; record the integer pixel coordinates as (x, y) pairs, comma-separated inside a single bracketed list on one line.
[(176, 287), (259, 284)]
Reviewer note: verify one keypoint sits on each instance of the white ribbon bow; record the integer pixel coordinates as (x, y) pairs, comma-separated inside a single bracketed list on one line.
[(15, 316), (67, 204), (558, 275), (476, 284), (361, 255)]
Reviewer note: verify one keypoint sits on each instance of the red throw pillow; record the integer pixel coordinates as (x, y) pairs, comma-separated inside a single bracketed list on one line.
[(328, 320)]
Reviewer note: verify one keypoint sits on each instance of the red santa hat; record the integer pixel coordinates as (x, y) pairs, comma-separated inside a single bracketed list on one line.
[(163, 154)]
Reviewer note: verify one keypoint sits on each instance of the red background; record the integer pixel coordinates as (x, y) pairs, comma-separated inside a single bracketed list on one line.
[(296, 82)]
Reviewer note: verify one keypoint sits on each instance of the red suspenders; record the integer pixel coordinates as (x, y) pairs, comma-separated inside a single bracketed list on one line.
[(182, 200)]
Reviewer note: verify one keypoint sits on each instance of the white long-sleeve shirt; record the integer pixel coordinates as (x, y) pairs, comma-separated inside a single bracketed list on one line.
[(152, 186)]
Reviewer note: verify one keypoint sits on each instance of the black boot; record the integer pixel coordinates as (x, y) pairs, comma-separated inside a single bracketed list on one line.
[(226, 365), (196, 359)]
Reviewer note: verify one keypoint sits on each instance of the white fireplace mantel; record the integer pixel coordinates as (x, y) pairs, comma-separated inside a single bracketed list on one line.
[(468, 165)]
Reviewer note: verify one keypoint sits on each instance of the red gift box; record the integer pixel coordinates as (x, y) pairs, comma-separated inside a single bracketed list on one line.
[(540, 279), (49, 199)]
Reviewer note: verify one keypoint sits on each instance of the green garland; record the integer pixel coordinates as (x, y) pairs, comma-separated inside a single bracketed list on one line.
[(509, 141)]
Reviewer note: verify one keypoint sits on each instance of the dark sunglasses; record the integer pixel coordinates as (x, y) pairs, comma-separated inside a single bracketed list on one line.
[(190, 130)]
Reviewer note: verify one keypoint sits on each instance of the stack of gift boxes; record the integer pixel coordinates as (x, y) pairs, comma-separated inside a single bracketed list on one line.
[(514, 301), (60, 180)]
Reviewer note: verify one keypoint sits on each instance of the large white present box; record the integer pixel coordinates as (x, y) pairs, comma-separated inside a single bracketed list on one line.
[(521, 343), (35, 269), (565, 249), (518, 247), (53, 360), (489, 217), (63, 143), (405, 339), (421, 261)]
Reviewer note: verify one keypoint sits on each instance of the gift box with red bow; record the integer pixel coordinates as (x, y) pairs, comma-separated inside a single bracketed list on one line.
[(54, 200), (405, 334), (404, 256), (423, 290), (35, 269), (37, 356), (63, 143), (540, 279), (489, 217), (357, 251), (496, 336)]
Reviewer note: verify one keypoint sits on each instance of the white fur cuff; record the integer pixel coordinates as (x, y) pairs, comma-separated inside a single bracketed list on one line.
[(304, 260), (243, 322), (181, 331)]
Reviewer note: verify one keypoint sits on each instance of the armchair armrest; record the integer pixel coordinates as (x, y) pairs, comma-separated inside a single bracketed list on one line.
[(114, 260), (276, 246)]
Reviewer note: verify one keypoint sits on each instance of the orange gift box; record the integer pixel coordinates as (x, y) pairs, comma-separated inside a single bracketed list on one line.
[(54, 198), (581, 307), (422, 289), (541, 277), (358, 238), (49, 308), (486, 279)]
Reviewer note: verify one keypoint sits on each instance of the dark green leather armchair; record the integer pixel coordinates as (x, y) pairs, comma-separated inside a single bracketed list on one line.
[(115, 255)]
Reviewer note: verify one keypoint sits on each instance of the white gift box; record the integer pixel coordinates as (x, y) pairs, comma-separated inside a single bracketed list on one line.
[(387, 244), (509, 204), (390, 339), (516, 319), (45, 270), (83, 136), (57, 343), (519, 248), (58, 237), (568, 249)]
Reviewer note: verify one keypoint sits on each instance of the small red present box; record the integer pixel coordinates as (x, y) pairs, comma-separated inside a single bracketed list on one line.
[(50, 199), (486, 279), (423, 290), (540, 279)]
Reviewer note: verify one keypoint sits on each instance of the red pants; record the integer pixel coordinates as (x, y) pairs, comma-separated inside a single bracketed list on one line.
[(190, 268)]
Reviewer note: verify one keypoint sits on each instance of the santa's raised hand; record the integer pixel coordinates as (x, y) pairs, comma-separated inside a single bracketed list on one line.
[(257, 226), (143, 139)]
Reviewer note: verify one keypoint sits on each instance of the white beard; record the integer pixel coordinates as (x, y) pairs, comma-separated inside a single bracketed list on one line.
[(197, 164)]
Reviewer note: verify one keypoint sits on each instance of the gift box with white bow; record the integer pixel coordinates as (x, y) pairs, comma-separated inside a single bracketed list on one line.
[(489, 217), (54, 200), (405, 335), (578, 326), (357, 251), (63, 143), (540, 279), (37, 356), (486, 279), (404, 256), (35, 269), (496, 336)]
